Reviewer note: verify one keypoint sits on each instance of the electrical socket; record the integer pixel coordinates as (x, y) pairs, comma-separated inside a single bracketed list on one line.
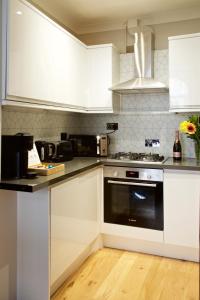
[(112, 126), (152, 143)]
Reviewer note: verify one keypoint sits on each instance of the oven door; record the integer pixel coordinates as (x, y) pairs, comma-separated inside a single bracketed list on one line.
[(133, 203)]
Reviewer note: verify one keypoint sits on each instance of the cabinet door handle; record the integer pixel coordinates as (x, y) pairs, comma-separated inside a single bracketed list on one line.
[(132, 183)]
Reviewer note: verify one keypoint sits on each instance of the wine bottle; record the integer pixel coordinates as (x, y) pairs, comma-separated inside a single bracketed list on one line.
[(177, 153)]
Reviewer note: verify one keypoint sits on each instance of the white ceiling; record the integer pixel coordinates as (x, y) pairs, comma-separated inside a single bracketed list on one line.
[(82, 15)]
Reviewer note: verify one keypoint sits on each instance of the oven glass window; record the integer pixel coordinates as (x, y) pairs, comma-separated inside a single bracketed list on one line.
[(142, 202), (133, 205)]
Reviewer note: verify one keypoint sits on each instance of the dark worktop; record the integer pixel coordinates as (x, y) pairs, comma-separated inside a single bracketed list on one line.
[(79, 165), (185, 164), (73, 167)]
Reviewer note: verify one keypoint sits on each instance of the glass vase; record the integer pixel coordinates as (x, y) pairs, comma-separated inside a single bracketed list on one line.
[(197, 150)]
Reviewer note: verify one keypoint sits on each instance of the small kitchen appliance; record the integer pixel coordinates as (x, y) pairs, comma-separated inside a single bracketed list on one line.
[(89, 145), (14, 155), (62, 151), (59, 151), (102, 144)]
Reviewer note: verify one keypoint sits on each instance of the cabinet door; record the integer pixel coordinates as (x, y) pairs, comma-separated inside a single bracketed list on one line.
[(181, 208), (100, 77), (184, 73), (74, 220), (45, 62)]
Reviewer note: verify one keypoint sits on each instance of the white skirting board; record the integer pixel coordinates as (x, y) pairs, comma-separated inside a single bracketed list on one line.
[(130, 232), (156, 248)]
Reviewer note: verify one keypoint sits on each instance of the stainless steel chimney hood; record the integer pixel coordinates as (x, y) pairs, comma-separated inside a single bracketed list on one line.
[(144, 81)]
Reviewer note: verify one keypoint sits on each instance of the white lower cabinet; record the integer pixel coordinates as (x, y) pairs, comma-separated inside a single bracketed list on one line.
[(181, 208), (74, 221), (59, 227)]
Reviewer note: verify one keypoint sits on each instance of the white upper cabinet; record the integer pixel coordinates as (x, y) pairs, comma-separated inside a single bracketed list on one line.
[(103, 72), (45, 62), (46, 65), (184, 72)]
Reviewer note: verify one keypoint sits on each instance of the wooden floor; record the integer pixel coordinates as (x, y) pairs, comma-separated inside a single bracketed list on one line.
[(120, 275)]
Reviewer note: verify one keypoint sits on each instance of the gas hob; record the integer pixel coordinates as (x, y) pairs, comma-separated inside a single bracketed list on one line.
[(133, 157)]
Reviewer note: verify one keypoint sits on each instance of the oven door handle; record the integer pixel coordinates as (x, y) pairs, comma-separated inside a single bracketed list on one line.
[(132, 183)]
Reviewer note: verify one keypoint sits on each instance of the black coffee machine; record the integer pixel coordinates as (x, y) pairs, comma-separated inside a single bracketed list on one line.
[(14, 155)]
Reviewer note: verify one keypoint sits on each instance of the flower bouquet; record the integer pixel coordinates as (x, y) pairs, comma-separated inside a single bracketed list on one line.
[(192, 129)]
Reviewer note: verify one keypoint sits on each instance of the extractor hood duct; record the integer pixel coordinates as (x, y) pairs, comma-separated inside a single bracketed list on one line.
[(144, 81)]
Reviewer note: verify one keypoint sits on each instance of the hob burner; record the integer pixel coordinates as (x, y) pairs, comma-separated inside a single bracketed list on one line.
[(137, 157)]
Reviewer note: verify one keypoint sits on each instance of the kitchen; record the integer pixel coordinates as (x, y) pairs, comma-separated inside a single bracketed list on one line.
[(140, 117)]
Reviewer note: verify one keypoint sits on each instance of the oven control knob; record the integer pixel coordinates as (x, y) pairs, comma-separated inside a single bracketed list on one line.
[(149, 177)]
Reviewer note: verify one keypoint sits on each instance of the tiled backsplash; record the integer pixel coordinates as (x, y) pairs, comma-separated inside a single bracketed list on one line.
[(134, 129), (42, 124), (143, 116), (160, 66)]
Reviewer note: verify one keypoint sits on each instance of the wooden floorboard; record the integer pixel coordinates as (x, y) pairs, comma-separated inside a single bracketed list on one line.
[(111, 274)]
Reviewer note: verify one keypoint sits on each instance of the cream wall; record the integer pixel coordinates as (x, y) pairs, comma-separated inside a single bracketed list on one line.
[(53, 11), (162, 32), (190, 24)]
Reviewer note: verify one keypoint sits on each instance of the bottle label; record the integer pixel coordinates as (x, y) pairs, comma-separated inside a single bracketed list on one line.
[(177, 154)]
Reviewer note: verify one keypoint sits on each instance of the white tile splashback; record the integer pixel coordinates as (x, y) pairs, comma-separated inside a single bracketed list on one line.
[(42, 124), (145, 103), (161, 72), (133, 128), (126, 66), (161, 63)]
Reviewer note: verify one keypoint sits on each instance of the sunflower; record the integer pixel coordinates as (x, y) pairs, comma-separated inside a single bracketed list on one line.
[(191, 128), (183, 126), (188, 127)]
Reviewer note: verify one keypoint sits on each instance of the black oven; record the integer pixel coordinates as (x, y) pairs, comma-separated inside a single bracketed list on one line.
[(133, 197)]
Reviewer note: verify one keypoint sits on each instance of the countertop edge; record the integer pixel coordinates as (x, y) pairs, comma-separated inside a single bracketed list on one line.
[(73, 173), (163, 166), (187, 168), (33, 187)]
